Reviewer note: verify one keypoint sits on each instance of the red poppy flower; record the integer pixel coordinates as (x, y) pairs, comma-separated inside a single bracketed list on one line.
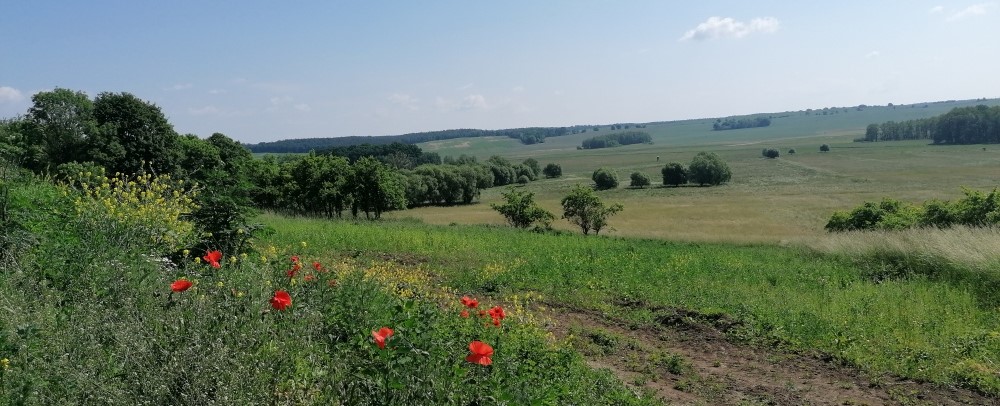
[(180, 285), (469, 302), (281, 300), (381, 335), (291, 273), (317, 266), (295, 259), (482, 313), (497, 313), (213, 258), (310, 278), (481, 353), (464, 314)]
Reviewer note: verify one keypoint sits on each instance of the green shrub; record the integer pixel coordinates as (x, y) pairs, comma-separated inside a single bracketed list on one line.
[(605, 178), (674, 174), (639, 180)]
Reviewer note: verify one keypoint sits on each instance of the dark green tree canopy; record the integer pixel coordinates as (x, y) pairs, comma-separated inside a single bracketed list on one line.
[(674, 174), (605, 178), (707, 168), (132, 132), (552, 170)]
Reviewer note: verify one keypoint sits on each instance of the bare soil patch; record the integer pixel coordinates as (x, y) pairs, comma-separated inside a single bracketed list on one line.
[(684, 360)]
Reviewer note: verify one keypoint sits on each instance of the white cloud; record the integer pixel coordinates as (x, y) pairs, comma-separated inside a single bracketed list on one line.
[(873, 54), (971, 11), (179, 86), (404, 100), (10, 95), (727, 27), (302, 107), (936, 9), (474, 102)]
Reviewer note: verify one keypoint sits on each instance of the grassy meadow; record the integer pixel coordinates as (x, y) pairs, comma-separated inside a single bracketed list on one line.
[(788, 199), (938, 327)]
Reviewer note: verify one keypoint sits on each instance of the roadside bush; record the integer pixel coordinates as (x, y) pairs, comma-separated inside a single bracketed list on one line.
[(605, 178), (824, 148)]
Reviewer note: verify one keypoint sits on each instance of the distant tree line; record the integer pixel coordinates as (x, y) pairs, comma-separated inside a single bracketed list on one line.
[(962, 125), (737, 123), (617, 139), (530, 135), (397, 154), (975, 209)]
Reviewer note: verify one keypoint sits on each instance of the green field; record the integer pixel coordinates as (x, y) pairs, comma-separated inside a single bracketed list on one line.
[(785, 199)]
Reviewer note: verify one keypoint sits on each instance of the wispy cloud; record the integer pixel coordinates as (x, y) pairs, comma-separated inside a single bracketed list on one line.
[(873, 54), (405, 100), (10, 95), (936, 10), (466, 86), (728, 27), (971, 11), (302, 107), (217, 91), (517, 89), (179, 86)]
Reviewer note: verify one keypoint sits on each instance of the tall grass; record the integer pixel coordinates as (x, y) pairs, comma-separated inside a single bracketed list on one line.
[(914, 327), (967, 257), (976, 249)]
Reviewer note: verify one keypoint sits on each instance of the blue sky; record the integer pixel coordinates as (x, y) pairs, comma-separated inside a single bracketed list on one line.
[(266, 70)]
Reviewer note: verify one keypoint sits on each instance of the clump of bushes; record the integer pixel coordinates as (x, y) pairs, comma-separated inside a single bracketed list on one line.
[(976, 209)]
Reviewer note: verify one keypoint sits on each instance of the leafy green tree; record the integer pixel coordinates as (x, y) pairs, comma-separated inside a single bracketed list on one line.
[(376, 189), (871, 132), (521, 211), (132, 132), (583, 208), (532, 164), (674, 174), (605, 178), (707, 168), (552, 170), (791, 151), (639, 180), (61, 121), (770, 153), (824, 148)]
